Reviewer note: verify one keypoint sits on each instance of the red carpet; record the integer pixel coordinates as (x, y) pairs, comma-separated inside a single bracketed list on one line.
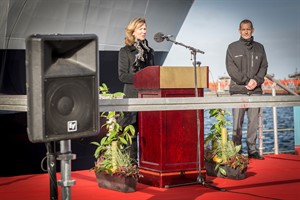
[(276, 177)]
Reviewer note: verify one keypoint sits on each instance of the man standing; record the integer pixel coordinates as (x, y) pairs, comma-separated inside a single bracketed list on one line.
[(246, 64)]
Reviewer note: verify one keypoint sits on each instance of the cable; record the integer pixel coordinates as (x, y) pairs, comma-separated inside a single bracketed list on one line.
[(42, 164), (51, 168)]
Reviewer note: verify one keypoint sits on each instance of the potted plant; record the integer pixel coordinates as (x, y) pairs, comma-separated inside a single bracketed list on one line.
[(222, 157), (114, 167)]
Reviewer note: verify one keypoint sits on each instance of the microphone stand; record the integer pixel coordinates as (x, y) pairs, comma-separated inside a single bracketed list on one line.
[(200, 178)]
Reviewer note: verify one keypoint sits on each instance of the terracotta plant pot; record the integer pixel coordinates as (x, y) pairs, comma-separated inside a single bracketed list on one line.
[(118, 183), (231, 173)]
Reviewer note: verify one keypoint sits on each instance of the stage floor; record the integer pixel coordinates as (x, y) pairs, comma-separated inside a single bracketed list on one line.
[(276, 177)]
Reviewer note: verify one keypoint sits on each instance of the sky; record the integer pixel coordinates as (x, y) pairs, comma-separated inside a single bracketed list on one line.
[(211, 25)]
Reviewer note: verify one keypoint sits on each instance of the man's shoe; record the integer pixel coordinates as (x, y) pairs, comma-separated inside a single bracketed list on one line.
[(256, 156)]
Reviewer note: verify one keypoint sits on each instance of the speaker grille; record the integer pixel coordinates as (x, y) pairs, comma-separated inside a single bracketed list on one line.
[(69, 100)]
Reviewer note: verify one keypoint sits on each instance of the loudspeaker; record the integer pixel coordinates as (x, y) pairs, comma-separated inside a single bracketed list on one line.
[(62, 87)]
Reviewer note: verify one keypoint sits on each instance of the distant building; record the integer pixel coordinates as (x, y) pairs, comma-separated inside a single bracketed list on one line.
[(295, 76), (292, 83)]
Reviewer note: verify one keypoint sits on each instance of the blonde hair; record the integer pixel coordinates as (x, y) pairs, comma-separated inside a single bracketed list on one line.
[(132, 25)]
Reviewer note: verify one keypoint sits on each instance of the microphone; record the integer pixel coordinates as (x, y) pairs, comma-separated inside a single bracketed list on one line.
[(159, 37), (198, 63)]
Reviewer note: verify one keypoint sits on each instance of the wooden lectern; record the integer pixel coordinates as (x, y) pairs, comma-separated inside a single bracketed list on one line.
[(168, 139)]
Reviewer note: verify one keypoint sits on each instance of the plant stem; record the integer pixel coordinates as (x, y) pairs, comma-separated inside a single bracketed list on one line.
[(114, 149), (224, 135)]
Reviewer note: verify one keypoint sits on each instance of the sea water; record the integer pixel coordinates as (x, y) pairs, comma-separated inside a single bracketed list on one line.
[(285, 120)]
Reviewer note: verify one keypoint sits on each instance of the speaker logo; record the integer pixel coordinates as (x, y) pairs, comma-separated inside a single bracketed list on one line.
[(72, 126)]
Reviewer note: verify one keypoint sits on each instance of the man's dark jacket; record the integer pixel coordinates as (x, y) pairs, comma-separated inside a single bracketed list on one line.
[(246, 60)]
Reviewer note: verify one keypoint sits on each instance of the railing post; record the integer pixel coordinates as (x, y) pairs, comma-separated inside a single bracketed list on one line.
[(297, 129), (260, 131), (275, 122)]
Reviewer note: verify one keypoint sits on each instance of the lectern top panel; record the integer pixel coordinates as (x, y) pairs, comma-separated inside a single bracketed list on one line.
[(165, 77), (183, 77)]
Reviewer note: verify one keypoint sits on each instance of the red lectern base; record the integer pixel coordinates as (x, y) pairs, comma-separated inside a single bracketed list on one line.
[(169, 179)]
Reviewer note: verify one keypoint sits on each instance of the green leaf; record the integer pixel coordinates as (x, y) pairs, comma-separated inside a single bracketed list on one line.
[(95, 143), (118, 94), (103, 140), (222, 171), (111, 114), (238, 148), (123, 140)]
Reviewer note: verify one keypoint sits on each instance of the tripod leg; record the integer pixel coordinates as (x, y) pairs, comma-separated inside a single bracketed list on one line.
[(202, 181)]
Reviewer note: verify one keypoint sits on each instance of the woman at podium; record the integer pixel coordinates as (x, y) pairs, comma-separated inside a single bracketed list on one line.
[(134, 56)]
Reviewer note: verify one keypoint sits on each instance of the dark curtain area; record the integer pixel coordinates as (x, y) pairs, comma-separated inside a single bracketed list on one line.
[(18, 154), (12, 72)]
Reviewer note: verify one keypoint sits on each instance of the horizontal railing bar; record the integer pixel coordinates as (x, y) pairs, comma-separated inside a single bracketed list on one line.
[(194, 103), (19, 103), (279, 130), (13, 103), (267, 130)]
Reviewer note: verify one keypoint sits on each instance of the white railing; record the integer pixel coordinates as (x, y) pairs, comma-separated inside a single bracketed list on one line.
[(19, 103), (276, 149)]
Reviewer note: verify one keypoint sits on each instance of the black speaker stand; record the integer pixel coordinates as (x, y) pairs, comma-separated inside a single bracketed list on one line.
[(51, 168), (65, 158)]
